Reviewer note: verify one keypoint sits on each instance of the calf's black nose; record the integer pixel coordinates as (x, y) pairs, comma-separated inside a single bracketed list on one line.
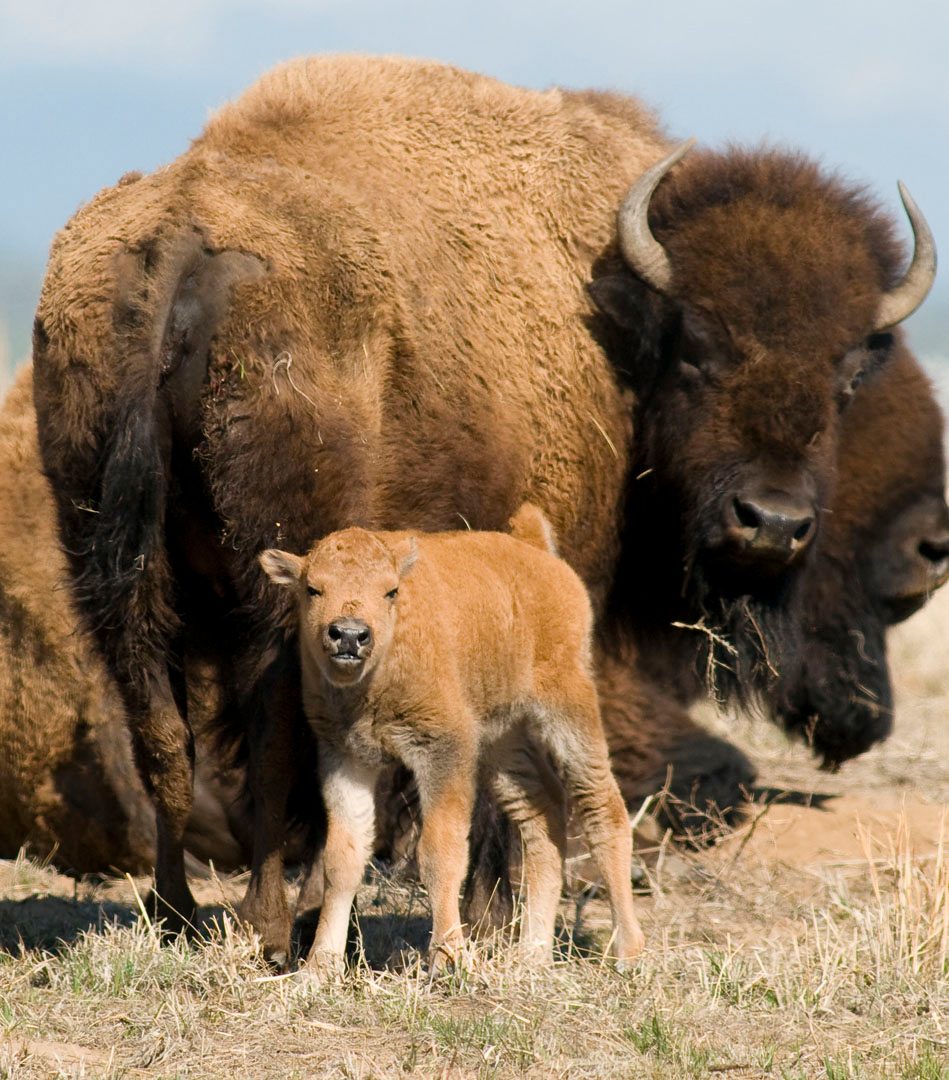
[(775, 527), (352, 636)]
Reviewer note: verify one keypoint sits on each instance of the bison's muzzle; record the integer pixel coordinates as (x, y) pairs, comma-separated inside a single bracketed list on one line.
[(914, 559)]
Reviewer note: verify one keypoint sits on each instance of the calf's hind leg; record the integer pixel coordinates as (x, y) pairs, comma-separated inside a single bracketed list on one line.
[(532, 797), (571, 728)]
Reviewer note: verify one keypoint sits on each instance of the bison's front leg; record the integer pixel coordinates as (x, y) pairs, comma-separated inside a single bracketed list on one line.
[(275, 708), (164, 752)]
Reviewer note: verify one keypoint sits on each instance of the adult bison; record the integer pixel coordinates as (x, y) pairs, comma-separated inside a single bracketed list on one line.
[(358, 299), (883, 551)]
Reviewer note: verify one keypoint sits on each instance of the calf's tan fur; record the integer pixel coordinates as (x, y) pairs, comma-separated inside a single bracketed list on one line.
[(450, 651)]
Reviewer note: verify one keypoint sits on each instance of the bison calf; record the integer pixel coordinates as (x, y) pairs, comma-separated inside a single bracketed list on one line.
[(478, 657)]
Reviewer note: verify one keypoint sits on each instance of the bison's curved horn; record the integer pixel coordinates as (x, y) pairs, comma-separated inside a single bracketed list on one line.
[(902, 300), (642, 252)]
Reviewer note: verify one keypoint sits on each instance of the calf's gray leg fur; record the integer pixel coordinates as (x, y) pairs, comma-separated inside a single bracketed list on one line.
[(572, 730), (533, 800)]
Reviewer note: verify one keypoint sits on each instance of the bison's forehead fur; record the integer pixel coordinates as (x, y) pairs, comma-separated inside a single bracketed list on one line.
[(784, 254), (890, 451)]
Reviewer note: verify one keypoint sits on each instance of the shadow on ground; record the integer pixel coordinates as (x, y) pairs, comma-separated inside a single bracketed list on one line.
[(791, 797), (51, 923)]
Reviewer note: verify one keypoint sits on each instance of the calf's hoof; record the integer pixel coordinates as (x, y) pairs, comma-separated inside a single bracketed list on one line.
[(627, 952), (321, 969), (535, 954), (447, 958)]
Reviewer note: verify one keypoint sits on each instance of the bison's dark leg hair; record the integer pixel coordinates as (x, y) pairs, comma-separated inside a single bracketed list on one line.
[(164, 753), (655, 745), (274, 707)]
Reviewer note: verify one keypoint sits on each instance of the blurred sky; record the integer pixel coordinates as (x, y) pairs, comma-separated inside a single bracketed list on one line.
[(92, 88)]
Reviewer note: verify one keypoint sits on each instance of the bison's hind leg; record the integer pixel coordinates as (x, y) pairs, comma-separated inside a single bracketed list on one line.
[(570, 727), (164, 752), (533, 798)]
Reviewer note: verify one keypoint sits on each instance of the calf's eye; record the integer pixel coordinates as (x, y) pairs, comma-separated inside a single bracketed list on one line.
[(313, 591), (392, 594)]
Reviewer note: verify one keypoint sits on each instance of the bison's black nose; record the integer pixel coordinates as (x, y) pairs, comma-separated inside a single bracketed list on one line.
[(349, 637), (776, 528), (935, 550)]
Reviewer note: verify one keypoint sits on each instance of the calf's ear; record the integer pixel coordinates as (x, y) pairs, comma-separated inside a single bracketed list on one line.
[(406, 553), (281, 567)]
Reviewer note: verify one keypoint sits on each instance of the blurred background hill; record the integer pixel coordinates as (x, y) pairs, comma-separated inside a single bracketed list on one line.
[(93, 90)]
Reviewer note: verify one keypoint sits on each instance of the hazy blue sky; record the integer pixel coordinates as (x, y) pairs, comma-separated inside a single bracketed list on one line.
[(93, 88)]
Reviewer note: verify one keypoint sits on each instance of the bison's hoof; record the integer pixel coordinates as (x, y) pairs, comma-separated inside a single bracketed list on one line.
[(277, 958), (171, 920)]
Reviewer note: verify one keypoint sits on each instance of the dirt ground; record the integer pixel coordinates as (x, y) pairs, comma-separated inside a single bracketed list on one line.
[(812, 943)]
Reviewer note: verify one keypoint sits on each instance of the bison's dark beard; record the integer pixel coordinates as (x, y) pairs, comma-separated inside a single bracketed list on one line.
[(745, 642), (839, 699)]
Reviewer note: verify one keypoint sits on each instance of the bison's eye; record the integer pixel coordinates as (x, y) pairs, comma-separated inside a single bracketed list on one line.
[(690, 371), (848, 388), (392, 593), (313, 590)]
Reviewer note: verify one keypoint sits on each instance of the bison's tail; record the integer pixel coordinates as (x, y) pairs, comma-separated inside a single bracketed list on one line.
[(531, 526), (112, 503)]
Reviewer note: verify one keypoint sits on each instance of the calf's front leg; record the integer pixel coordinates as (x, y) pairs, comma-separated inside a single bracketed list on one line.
[(349, 793)]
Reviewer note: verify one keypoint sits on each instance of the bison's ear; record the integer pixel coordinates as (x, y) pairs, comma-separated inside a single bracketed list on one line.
[(619, 298), (281, 567), (406, 554)]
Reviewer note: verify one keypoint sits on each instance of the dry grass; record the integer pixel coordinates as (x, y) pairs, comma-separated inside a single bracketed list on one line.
[(816, 944)]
